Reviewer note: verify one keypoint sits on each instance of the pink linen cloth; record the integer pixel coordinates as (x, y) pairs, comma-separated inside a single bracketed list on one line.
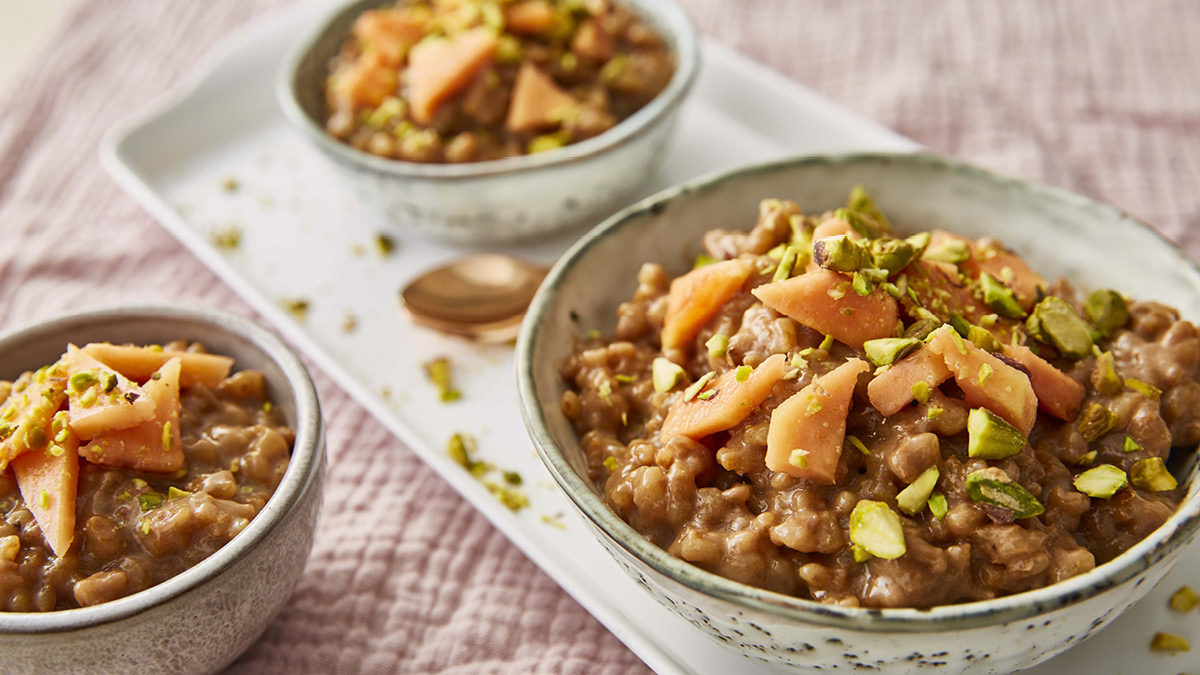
[(1098, 97)]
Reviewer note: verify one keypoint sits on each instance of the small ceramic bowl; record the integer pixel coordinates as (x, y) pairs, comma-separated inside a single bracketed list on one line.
[(202, 619), (1061, 234), (511, 199)]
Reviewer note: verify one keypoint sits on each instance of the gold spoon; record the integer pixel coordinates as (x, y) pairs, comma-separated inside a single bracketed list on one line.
[(482, 297)]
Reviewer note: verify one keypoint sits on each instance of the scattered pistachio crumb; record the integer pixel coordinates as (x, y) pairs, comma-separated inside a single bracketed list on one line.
[(438, 370), (227, 238), (610, 463), (742, 373), (267, 406), (985, 374), (145, 526), (605, 391), (623, 378), (934, 413), (798, 458), (1185, 600), (512, 499), (1169, 642), (827, 343), (230, 184), (350, 323), (858, 444), (385, 244), (1131, 445), (297, 307), (554, 521), (512, 478)]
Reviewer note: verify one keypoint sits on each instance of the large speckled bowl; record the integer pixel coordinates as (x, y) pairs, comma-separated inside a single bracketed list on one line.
[(1061, 234), (512, 199), (202, 619)]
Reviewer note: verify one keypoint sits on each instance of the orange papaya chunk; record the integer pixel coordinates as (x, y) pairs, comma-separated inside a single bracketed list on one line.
[(824, 301), (48, 480), (696, 296), (139, 363), (986, 381), (529, 17), (893, 389), (731, 403), (26, 414), (806, 432), (1056, 392), (440, 69), (153, 445), (537, 101), (100, 398), (989, 256), (365, 84), (390, 33)]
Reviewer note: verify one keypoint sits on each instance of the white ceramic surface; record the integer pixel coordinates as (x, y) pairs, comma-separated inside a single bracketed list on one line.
[(1059, 233), (202, 619), (505, 200), (175, 157)]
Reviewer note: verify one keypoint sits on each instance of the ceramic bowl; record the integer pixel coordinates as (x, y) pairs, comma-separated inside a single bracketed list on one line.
[(511, 199), (1061, 234), (202, 619)]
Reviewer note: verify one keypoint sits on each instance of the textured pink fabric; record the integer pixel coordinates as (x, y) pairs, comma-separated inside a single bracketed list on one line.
[(1097, 97)]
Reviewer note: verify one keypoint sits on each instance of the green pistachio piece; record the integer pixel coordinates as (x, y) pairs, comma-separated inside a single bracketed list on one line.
[(665, 374), (703, 260), (1169, 642), (840, 254), (912, 499), (798, 458), (1144, 388), (999, 297), (1055, 322), (1184, 600), (921, 391), (858, 444), (82, 380), (860, 202), (545, 142), (787, 263), (717, 345), (919, 241), (1095, 422), (983, 339), (883, 351), (175, 493), (991, 437), (698, 386), (1152, 475), (953, 252), (742, 373), (876, 529), (922, 328), (987, 486), (938, 506), (960, 325), (865, 226), (1105, 378), (149, 501), (893, 255), (861, 284), (1102, 481), (1107, 311), (1132, 445)]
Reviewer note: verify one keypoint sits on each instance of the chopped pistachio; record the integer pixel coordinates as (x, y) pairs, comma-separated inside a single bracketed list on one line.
[(991, 437), (148, 501), (512, 478), (841, 254), (912, 499), (665, 374), (385, 244), (546, 142), (876, 529), (697, 386), (1105, 378), (921, 391), (991, 486), (858, 444), (1107, 311), (1152, 475), (999, 297), (983, 338), (512, 499), (297, 307), (860, 202), (706, 394), (605, 391), (623, 378), (742, 373), (787, 263), (1169, 642), (989, 320), (438, 371), (175, 493), (82, 380), (1095, 422), (1055, 322), (893, 255), (883, 351), (953, 252), (864, 225), (861, 285), (610, 463), (43, 499), (1087, 458), (124, 496), (798, 458), (509, 50), (985, 374), (922, 328), (1144, 388), (1185, 600), (891, 289), (776, 253), (826, 343), (1101, 482), (958, 342), (861, 554), (938, 506), (814, 406), (702, 260), (717, 345), (168, 439), (227, 238), (1131, 445), (934, 413)]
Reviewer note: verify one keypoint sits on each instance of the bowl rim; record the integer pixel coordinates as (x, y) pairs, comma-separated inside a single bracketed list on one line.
[(1175, 532), (304, 467), (672, 19)]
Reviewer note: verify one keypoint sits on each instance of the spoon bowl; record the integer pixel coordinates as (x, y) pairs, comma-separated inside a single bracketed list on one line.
[(481, 297)]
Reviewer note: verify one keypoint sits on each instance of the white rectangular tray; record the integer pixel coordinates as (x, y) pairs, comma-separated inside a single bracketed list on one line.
[(303, 236)]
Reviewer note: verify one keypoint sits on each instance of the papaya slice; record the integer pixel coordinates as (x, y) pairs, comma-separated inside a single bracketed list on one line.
[(698, 295), (48, 480), (989, 256), (537, 101), (440, 69), (139, 363), (100, 398), (153, 445), (898, 386), (824, 301), (529, 17), (986, 381), (732, 402), (26, 414), (806, 432), (389, 33), (1057, 393), (365, 84)]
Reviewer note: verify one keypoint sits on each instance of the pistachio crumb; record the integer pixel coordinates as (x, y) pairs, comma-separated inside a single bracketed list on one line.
[(438, 371), (1184, 600), (1169, 642), (858, 445), (610, 463)]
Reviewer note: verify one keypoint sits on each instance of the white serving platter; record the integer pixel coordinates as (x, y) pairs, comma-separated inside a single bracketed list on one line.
[(303, 236)]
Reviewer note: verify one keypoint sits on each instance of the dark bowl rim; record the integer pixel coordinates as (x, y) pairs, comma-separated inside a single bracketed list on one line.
[(1175, 532), (306, 462), (686, 48)]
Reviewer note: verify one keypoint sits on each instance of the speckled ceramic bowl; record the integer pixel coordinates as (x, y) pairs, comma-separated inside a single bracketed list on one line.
[(1061, 234), (202, 619), (511, 199)]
